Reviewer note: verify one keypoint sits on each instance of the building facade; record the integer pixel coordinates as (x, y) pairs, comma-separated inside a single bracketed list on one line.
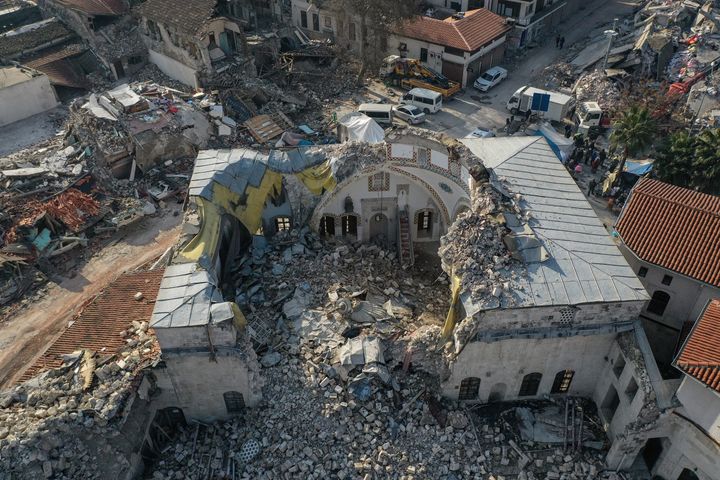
[(24, 92)]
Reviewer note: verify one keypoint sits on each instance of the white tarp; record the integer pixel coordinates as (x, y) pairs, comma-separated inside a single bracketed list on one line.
[(557, 141), (362, 128)]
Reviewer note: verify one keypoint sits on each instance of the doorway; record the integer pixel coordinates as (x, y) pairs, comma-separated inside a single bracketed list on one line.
[(119, 70), (379, 227), (652, 451), (497, 393)]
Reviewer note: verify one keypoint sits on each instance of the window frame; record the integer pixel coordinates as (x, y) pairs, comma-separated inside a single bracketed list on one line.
[(658, 303), (282, 224), (530, 385)]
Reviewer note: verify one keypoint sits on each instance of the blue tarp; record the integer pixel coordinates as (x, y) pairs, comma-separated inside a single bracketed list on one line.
[(638, 168)]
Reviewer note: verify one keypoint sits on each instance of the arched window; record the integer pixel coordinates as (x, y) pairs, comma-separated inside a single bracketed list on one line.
[(530, 384), (562, 381), (658, 303), (234, 402), (469, 388), (349, 224), (327, 226)]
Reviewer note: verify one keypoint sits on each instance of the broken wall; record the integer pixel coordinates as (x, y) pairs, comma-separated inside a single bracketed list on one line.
[(501, 369), (25, 99), (196, 381)]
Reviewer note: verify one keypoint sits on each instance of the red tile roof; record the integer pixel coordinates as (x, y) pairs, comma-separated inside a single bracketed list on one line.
[(102, 320), (675, 228), (56, 64), (478, 27), (700, 356), (97, 7)]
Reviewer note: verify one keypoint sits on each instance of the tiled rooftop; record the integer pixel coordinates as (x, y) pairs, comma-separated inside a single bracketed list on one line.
[(675, 228), (188, 16), (700, 356), (478, 28), (99, 324), (97, 7)]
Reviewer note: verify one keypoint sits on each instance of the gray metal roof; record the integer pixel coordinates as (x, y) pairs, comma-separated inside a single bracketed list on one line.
[(238, 168), (186, 297), (585, 265)]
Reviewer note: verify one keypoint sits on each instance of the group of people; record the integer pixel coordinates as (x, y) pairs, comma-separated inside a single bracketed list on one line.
[(585, 152)]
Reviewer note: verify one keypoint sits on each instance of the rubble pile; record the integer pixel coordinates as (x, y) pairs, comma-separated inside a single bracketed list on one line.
[(558, 75), (58, 423), (346, 338), (597, 87), (473, 250)]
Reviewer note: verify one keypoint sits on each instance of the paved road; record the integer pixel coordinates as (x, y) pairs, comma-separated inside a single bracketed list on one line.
[(473, 109)]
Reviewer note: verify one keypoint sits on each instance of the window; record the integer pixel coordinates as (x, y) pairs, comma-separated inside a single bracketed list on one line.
[(562, 381), (642, 272), (631, 389), (530, 384), (282, 224), (469, 388), (327, 226), (423, 54), (610, 404), (658, 303), (619, 365), (316, 22), (328, 22), (349, 225), (234, 402), (351, 32), (303, 19), (424, 224), (379, 182), (667, 280)]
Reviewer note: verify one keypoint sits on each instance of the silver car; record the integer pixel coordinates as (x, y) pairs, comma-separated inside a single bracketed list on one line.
[(490, 78), (410, 113)]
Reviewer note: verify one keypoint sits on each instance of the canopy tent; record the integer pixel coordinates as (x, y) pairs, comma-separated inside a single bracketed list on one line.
[(359, 127), (638, 167)]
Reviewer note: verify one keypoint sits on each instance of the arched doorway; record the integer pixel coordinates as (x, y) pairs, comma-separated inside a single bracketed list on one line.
[(687, 474), (379, 227), (497, 393)]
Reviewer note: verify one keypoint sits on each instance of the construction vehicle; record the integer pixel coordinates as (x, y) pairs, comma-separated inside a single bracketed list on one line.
[(410, 73)]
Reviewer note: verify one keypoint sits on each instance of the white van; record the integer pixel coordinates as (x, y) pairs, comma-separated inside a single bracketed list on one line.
[(380, 112), (427, 100)]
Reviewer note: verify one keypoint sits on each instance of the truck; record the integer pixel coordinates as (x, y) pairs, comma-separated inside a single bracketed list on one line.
[(549, 105), (589, 117), (410, 73)]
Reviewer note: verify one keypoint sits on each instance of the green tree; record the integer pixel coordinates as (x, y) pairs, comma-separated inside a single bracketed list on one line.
[(691, 161), (634, 131)]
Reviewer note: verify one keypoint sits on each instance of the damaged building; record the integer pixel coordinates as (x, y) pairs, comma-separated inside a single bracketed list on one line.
[(192, 41)]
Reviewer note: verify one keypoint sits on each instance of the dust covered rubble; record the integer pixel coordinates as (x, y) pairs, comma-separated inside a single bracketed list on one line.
[(58, 423), (352, 355)]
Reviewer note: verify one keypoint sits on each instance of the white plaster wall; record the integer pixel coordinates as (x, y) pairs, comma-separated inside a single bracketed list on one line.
[(701, 404), (418, 198), (499, 362), (688, 448), (195, 383), (25, 99), (174, 69), (688, 297)]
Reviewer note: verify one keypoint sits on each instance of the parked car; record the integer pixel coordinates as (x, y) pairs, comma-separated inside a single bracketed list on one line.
[(481, 132), (490, 78), (410, 113)]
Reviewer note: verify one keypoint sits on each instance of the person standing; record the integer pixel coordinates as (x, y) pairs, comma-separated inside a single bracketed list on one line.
[(591, 187), (557, 41), (562, 42)]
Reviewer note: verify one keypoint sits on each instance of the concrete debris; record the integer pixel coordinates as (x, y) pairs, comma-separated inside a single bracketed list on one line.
[(58, 423)]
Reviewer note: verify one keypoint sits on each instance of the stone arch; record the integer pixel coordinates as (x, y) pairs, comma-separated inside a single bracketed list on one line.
[(327, 225), (424, 220)]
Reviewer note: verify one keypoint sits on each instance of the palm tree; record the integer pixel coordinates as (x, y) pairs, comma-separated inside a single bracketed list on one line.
[(675, 158), (707, 161), (634, 130)]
